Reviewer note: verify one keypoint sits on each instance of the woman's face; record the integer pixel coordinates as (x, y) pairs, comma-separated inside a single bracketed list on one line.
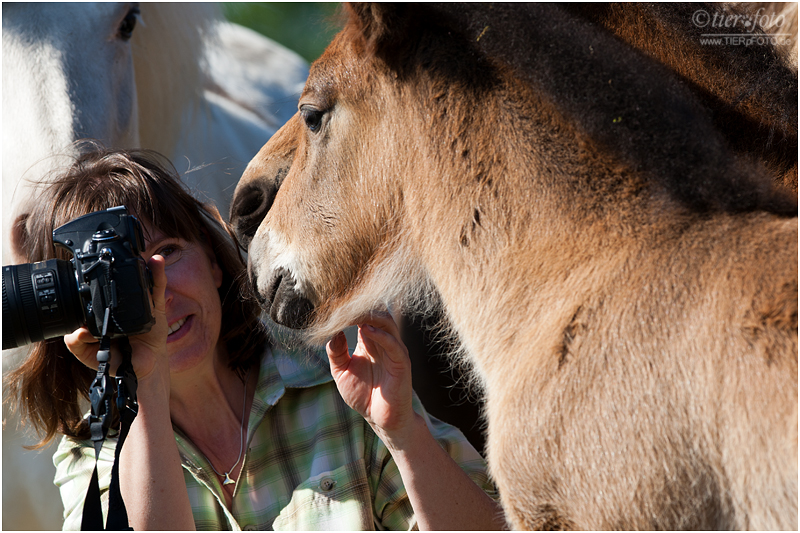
[(193, 307)]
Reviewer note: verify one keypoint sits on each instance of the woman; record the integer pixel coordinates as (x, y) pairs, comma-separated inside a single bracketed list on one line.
[(235, 429)]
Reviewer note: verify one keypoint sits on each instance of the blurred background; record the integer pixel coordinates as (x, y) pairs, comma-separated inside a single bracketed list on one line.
[(305, 27)]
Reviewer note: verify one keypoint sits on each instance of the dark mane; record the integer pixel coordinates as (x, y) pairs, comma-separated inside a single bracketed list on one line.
[(621, 99), (749, 91)]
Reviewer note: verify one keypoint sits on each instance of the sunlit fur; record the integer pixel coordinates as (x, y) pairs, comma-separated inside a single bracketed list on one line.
[(622, 281)]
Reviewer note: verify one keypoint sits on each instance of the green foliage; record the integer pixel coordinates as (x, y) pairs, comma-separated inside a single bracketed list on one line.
[(305, 27)]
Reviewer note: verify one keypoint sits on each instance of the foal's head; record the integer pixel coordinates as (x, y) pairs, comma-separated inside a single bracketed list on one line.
[(417, 113), (319, 205)]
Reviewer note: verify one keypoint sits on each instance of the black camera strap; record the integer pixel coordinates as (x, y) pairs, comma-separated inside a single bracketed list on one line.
[(99, 422)]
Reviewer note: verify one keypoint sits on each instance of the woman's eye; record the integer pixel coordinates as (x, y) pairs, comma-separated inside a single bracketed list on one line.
[(170, 253), (312, 117)]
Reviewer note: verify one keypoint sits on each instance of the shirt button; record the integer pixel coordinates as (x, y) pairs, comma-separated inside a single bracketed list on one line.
[(327, 484), (250, 527)]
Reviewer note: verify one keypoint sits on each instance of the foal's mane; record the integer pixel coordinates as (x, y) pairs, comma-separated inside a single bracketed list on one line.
[(169, 61), (622, 101)]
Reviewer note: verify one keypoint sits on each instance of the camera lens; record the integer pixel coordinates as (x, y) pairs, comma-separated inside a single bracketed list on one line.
[(40, 301)]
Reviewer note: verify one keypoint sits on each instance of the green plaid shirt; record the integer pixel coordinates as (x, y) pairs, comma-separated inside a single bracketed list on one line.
[(311, 463)]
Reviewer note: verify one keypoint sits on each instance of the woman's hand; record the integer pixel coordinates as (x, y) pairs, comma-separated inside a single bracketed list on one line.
[(149, 348), (376, 380)]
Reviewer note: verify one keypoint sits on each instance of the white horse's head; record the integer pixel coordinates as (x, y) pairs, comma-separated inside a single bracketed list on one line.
[(92, 70), (45, 47)]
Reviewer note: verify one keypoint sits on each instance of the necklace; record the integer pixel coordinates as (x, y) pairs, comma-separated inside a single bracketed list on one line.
[(226, 475)]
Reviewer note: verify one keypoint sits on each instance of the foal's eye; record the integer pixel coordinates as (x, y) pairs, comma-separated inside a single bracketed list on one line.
[(312, 117), (127, 25)]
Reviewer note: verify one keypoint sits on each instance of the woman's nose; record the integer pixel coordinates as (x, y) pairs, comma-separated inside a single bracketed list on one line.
[(168, 294)]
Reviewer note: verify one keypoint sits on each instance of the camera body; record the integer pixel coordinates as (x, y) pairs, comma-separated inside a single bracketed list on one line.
[(105, 286)]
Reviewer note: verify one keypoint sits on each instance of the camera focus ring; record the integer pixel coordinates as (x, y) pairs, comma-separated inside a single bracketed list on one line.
[(28, 297), (21, 324)]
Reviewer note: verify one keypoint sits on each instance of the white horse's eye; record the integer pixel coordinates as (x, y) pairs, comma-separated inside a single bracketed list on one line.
[(127, 25)]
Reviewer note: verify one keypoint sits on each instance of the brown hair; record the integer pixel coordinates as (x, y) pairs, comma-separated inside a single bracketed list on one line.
[(48, 384)]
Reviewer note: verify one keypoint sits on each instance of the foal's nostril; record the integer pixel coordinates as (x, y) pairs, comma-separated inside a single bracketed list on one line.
[(249, 207)]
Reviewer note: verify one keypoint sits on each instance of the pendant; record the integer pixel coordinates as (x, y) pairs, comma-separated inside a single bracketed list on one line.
[(228, 480)]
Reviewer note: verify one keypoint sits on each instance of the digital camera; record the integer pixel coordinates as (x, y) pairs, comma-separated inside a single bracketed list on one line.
[(105, 286)]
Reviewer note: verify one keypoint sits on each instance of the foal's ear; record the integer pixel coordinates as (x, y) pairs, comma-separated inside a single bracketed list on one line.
[(381, 26)]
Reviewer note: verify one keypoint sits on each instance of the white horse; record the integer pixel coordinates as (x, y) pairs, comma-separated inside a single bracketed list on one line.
[(172, 77)]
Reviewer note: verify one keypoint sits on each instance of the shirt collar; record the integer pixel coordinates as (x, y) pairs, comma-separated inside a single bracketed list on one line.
[(290, 366)]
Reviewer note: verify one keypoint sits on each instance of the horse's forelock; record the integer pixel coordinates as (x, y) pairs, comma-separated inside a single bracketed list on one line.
[(366, 22), (377, 26), (169, 59)]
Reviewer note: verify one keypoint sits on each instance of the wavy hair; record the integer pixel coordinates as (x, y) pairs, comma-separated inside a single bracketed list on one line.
[(48, 385)]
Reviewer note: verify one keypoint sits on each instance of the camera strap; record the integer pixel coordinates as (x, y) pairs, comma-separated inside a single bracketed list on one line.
[(99, 422)]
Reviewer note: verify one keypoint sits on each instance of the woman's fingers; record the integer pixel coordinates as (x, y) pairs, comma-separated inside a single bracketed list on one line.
[(156, 264), (157, 336), (84, 346), (337, 352), (383, 340), (382, 320), (379, 338)]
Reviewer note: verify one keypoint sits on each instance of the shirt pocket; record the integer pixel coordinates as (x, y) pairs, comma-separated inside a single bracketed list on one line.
[(336, 500)]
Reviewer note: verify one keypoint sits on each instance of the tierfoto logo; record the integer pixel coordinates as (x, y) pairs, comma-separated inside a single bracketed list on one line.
[(726, 29)]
